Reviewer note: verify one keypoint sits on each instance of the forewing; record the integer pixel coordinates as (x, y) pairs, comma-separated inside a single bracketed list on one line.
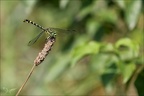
[(35, 39), (67, 31)]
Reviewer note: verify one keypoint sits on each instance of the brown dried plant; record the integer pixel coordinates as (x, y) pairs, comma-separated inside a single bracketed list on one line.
[(39, 59)]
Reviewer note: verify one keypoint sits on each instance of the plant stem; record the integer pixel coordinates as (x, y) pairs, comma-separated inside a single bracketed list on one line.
[(26, 80)]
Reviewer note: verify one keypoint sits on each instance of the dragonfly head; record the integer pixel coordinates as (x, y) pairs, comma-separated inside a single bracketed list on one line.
[(53, 34)]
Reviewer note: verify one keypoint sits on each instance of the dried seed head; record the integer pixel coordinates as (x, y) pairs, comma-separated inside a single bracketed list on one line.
[(42, 55)]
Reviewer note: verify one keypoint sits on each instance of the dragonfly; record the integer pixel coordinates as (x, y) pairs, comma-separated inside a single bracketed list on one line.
[(50, 31)]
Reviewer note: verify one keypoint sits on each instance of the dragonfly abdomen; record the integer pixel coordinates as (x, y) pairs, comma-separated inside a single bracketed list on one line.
[(37, 25)]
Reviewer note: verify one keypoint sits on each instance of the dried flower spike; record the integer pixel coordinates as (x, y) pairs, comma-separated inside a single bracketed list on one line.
[(42, 55)]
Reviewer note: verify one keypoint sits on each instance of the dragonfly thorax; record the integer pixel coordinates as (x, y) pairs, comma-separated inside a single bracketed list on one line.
[(51, 32)]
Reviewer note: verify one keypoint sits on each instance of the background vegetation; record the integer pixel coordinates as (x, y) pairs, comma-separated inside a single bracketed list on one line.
[(103, 57)]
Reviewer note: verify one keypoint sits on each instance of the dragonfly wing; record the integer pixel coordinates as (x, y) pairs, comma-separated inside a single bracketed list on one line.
[(63, 30), (35, 39)]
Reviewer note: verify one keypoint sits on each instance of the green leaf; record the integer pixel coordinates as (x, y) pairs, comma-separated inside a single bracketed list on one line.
[(127, 49), (132, 13), (124, 42), (121, 3), (63, 3), (82, 50), (92, 26), (84, 12), (127, 71), (103, 63)]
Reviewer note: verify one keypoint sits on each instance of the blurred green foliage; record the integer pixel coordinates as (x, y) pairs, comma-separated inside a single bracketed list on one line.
[(103, 57)]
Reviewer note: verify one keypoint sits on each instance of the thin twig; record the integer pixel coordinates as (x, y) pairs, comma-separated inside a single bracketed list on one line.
[(26, 79)]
